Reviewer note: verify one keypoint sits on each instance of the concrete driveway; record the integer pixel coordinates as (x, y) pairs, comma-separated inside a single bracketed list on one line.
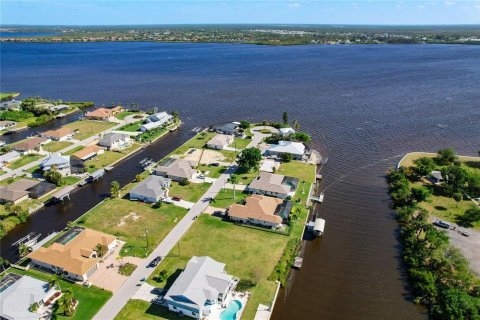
[(258, 136)]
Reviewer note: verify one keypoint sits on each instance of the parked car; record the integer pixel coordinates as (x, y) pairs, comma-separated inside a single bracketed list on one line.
[(157, 290), (201, 176), (215, 164), (218, 213), (155, 262), (176, 198), (464, 232), (442, 224)]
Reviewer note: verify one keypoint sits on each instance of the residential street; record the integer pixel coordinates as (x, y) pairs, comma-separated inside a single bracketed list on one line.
[(129, 288)]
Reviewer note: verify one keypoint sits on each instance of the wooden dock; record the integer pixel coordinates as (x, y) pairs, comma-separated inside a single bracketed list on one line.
[(318, 198)]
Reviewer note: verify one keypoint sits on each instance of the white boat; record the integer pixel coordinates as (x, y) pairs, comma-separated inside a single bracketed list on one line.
[(318, 227)]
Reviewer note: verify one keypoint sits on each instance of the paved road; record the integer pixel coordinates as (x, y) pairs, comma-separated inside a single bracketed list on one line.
[(129, 288), (258, 136), (19, 171)]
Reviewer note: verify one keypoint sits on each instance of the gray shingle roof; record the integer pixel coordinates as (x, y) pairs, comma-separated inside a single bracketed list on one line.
[(110, 138), (151, 187)]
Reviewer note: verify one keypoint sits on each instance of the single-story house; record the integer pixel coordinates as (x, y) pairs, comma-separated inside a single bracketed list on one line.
[(9, 157), (10, 105), (226, 128), (61, 163), (296, 149), (19, 292), (436, 177), (7, 124), (59, 107), (271, 184), (150, 190), (87, 153), (257, 210), (201, 286), (22, 189), (220, 141), (285, 132), (175, 169), (75, 258), (103, 113), (31, 145), (115, 141), (156, 120), (60, 134)]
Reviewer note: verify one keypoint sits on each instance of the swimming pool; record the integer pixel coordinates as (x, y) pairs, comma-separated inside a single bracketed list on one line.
[(231, 312)]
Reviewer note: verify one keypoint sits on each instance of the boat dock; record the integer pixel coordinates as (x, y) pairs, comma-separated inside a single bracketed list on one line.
[(96, 175), (29, 240), (297, 264), (318, 198), (63, 194)]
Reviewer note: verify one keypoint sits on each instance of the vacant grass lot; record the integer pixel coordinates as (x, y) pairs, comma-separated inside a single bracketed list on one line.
[(224, 198), (70, 180), (132, 127), (245, 176), (142, 310), (192, 192), (76, 149), (108, 158), (299, 169), (229, 155), (128, 219), (55, 146), (248, 253), (90, 299), (196, 142), (124, 114), (24, 160), (88, 128)]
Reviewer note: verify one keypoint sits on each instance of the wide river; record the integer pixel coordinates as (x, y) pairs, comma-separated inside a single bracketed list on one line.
[(365, 106)]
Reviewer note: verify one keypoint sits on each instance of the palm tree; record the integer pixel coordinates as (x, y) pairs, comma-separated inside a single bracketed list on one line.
[(67, 301), (23, 250), (55, 281), (233, 180)]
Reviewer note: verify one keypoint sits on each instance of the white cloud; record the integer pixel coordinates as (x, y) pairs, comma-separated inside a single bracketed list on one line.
[(294, 5), (421, 6), (448, 3)]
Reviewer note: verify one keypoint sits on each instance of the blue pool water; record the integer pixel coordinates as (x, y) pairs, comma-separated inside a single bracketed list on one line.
[(231, 312)]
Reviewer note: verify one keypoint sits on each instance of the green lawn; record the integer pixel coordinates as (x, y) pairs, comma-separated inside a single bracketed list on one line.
[(124, 114), (108, 158), (298, 169), (90, 299), (142, 310), (192, 192), (55, 146), (240, 143), (213, 172), (76, 149), (26, 204), (229, 155), (196, 142), (408, 160), (132, 127), (33, 169), (8, 95), (88, 128), (70, 180), (245, 176), (249, 254), (24, 160), (225, 198), (111, 217)]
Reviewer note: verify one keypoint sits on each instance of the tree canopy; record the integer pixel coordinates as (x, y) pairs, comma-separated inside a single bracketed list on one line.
[(250, 158), (424, 166), (446, 156)]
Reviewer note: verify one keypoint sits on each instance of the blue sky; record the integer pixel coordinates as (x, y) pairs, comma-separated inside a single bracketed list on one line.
[(100, 12)]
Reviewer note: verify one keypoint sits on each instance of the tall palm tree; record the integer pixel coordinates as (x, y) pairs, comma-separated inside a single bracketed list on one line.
[(67, 301), (55, 281), (23, 250), (233, 180)]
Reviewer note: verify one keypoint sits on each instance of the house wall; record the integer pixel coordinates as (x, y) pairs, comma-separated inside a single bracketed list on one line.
[(25, 197), (279, 154), (143, 198), (68, 275), (268, 193), (215, 146), (255, 221), (177, 308)]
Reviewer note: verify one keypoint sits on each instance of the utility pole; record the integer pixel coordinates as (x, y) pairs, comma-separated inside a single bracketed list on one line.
[(146, 236)]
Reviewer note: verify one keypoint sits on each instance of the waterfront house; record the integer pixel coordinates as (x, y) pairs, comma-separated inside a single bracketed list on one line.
[(175, 169), (103, 114), (9, 157), (73, 255), (259, 210), (59, 107), (60, 134), (271, 184), (61, 163), (7, 124), (19, 292), (285, 132), (87, 153), (220, 141), (31, 145), (201, 286), (226, 128), (115, 141), (436, 177), (10, 105), (150, 190), (296, 149), (156, 120), (23, 189)]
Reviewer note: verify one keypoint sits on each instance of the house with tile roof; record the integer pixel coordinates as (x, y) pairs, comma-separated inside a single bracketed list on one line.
[(103, 114), (201, 286), (60, 134), (259, 210), (73, 255)]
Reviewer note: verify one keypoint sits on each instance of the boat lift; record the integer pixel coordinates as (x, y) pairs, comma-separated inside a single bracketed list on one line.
[(319, 198), (29, 240)]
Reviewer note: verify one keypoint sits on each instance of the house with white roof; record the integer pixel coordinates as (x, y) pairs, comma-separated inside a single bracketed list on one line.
[(285, 132), (296, 149), (156, 120), (220, 141), (199, 288), (18, 293), (115, 141), (61, 163), (9, 157), (150, 190)]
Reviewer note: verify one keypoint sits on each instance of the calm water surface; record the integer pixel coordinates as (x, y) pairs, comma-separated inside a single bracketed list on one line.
[(365, 106)]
